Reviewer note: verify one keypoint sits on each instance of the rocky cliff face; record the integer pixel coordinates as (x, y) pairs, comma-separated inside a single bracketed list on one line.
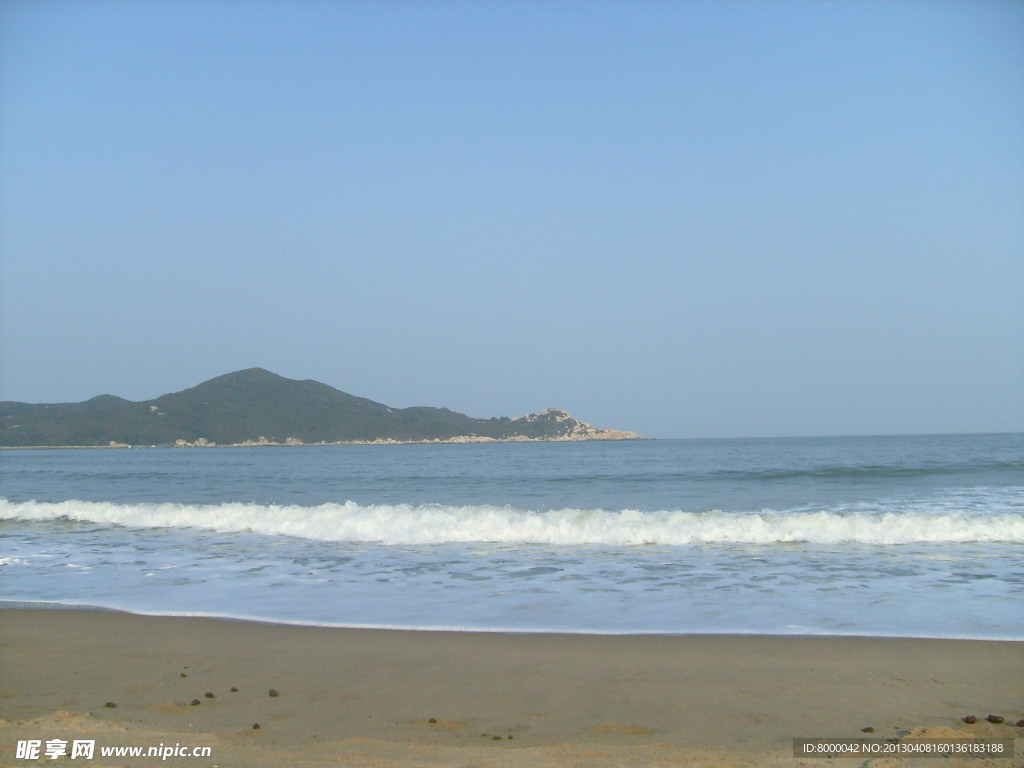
[(565, 427)]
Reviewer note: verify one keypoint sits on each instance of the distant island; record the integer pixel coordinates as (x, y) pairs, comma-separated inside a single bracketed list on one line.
[(255, 407)]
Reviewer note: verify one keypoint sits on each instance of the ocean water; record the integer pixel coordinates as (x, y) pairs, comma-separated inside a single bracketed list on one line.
[(897, 536)]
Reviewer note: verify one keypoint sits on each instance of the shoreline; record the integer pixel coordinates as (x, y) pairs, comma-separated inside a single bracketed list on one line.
[(55, 605), (456, 440), (381, 697)]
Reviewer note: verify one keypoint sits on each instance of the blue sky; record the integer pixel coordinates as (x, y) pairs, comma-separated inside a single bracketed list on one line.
[(689, 219)]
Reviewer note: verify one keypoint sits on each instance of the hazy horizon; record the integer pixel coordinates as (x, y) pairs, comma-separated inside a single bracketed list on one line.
[(687, 219), (607, 426)]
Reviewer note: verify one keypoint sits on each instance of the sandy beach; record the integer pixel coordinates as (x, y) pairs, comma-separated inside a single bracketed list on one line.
[(351, 697)]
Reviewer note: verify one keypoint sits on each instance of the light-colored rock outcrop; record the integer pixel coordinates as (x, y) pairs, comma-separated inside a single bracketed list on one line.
[(573, 430)]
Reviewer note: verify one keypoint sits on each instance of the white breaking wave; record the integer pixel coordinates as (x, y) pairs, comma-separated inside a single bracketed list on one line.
[(403, 524)]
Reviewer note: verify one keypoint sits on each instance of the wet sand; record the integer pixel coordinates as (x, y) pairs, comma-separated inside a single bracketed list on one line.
[(351, 697)]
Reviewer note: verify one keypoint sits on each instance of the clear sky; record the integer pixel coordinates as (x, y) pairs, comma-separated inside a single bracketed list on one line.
[(688, 219)]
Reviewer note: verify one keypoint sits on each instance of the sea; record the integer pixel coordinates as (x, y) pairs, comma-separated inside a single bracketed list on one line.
[(912, 536)]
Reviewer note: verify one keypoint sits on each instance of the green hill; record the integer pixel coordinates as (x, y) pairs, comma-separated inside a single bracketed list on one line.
[(257, 406)]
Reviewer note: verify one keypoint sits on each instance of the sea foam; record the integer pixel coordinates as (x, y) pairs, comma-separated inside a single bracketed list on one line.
[(403, 524)]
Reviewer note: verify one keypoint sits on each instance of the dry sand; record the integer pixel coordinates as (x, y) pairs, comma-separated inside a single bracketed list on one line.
[(350, 697)]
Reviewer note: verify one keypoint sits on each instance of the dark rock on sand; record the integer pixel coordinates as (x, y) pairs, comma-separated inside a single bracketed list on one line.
[(995, 719), (110, 704), (970, 719)]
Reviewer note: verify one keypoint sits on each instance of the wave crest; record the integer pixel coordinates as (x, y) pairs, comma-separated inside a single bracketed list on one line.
[(403, 524)]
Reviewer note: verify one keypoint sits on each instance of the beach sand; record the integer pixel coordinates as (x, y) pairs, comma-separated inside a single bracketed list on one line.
[(376, 698)]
